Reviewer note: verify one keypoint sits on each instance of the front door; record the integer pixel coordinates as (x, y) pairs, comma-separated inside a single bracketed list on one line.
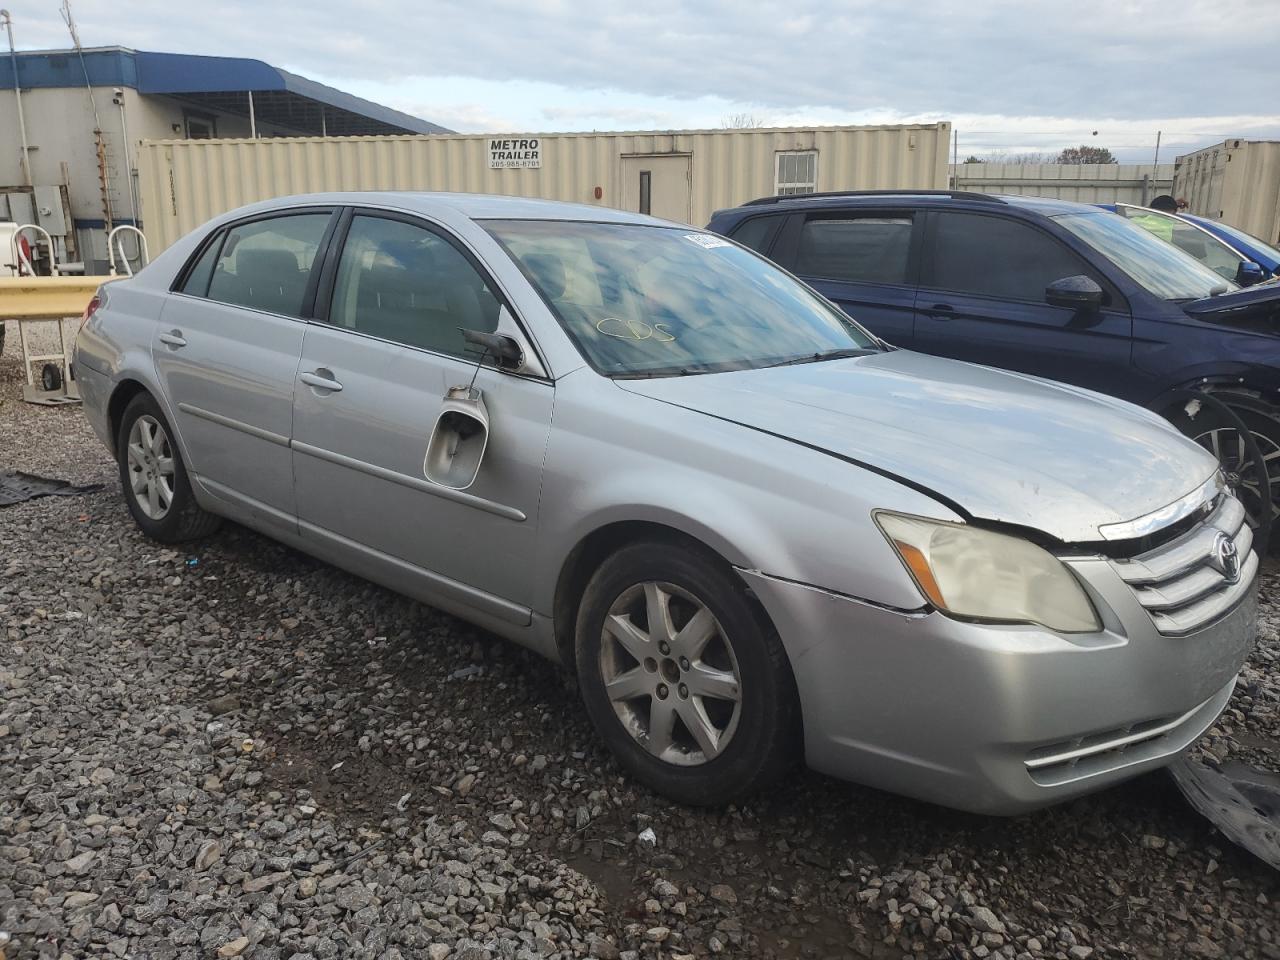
[(226, 352), (660, 186), (370, 386), (982, 298)]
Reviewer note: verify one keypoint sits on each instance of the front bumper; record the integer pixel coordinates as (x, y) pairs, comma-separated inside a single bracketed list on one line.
[(993, 718)]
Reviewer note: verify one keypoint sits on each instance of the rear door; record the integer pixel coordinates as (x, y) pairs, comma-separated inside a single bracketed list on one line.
[(371, 384), (226, 352), (865, 261), (982, 298)]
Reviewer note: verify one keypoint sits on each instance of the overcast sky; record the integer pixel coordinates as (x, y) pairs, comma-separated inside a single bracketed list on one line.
[(1012, 75)]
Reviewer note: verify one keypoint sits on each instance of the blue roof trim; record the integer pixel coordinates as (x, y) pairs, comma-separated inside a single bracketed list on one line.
[(174, 74)]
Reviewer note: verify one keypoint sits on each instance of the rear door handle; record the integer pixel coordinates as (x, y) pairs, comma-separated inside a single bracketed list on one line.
[(941, 311), (173, 338), (321, 379)]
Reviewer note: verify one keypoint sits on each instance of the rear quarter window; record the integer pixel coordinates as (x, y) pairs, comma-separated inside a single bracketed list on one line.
[(757, 233)]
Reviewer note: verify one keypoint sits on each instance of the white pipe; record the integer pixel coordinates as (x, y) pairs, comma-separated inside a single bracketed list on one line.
[(144, 255), (17, 96), (253, 123), (128, 164), (20, 258)]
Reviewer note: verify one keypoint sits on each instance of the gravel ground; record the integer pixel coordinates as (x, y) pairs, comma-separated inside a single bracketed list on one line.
[(238, 751)]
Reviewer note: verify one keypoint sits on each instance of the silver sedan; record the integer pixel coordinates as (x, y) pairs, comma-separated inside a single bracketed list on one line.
[(752, 529)]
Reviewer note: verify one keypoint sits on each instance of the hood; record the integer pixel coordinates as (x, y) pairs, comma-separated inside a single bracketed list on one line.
[(1001, 446), (1252, 305)]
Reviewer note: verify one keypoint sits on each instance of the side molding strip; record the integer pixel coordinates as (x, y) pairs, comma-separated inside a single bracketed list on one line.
[(232, 424), (413, 483)]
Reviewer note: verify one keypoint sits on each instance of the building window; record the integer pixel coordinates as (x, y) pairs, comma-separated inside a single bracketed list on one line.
[(646, 190), (797, 172), (200, 126)]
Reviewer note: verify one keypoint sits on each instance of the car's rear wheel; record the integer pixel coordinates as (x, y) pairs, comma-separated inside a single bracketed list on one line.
[(682, 678), (156, 487)]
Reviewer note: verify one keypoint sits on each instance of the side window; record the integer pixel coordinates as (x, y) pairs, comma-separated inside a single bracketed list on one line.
[(266, 264), (998, 257), (404, 283), (757, 233), (867, 249), (197, 282)]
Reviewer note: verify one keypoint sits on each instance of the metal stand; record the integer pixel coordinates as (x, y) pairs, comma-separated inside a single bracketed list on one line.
[(66, 391)]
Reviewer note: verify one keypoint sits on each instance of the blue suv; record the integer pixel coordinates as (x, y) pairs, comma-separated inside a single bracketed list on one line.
[(1046, 287)]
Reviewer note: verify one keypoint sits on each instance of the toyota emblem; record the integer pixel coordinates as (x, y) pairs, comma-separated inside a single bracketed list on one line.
[(1225, 557)]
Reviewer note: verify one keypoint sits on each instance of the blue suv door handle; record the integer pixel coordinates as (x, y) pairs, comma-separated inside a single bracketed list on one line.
[(941, 311)]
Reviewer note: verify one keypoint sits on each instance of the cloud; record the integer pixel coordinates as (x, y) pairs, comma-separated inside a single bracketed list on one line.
[(1009, 58)]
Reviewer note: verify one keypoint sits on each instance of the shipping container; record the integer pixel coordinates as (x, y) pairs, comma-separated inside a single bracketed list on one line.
[(1237, 182), (681, 175), (1081, 182)]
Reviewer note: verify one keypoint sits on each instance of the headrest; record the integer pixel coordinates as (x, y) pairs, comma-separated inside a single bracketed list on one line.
[(266, 266)]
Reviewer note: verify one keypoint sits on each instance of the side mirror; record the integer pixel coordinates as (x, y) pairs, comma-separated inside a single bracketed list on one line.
[(459, 439), (504, 349), (1080, 293), (1249, 273)]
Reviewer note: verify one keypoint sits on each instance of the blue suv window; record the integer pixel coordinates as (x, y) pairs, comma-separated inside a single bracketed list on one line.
[(757, 233), (869, 249), (997, 257)]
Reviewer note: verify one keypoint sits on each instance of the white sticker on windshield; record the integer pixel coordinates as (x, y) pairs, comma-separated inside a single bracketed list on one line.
[(707, 241)]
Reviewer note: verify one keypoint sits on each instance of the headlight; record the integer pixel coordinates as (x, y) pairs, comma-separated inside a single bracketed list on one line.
[(975, 574)]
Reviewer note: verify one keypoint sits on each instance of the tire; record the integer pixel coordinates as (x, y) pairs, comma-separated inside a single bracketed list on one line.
[(155, 464), (745, 743), (1222, 439)]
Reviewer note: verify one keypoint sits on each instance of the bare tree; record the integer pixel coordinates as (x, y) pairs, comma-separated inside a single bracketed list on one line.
[(1007, 156), (1086, 154), (741, 121)]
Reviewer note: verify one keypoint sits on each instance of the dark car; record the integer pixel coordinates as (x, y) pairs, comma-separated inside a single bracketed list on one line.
[(1046, 287), (1206, 244)]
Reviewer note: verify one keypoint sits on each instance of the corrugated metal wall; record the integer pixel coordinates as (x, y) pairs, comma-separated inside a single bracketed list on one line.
[(1237, 182), (1080, 182), (185, 182)]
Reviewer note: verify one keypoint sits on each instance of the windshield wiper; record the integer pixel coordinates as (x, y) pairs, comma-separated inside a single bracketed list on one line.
[(841, 354)]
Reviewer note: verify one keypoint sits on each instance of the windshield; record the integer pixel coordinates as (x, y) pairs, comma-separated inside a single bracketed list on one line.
[(1155, 264), (658, 301)]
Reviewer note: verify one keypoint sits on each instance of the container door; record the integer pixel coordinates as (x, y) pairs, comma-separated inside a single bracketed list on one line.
[(660, 186)]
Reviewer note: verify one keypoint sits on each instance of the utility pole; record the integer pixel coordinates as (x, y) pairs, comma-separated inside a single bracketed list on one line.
[(17, 96)]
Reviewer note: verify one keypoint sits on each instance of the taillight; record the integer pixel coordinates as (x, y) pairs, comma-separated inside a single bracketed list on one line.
[(94, 303)]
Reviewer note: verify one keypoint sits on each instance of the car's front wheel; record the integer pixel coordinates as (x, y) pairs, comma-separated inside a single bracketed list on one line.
[(683, 680), (156, 486)]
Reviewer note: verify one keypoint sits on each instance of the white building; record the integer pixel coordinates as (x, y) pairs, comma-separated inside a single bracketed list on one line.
[(69, 161)]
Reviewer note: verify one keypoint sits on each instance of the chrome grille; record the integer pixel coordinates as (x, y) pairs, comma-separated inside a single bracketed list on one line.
[(1185, 584)]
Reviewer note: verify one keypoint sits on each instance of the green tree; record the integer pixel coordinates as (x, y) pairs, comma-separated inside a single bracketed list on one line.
[(1086, 154)]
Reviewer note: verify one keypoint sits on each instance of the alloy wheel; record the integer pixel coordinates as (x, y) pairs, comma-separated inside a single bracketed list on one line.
[(1243, 476), (151, 467), (670, 672)]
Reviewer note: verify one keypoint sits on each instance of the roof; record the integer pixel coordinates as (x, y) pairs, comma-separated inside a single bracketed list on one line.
[(280, 98), (474, 206), (914, 198)]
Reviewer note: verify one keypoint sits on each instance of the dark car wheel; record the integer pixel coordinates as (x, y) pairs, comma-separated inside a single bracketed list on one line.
[(1248, 429), (156, 487), (682, 679)]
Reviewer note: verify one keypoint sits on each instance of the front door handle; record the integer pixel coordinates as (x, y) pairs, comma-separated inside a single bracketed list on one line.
[(322, 379), (941, 311), (173, 339)]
